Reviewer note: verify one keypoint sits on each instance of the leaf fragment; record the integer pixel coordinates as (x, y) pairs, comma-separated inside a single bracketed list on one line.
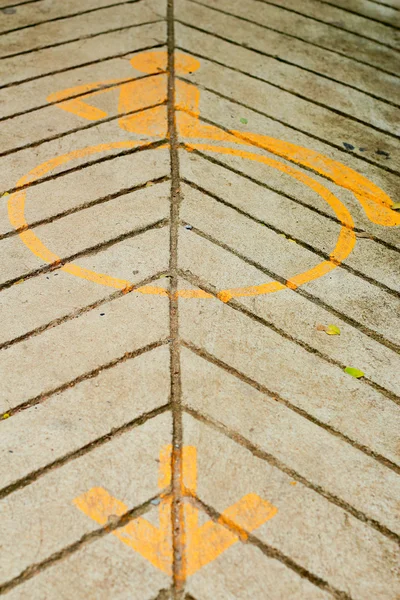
[(332, 330), (5, 416), (396, 206), (354, 372), (320, 327), (244, 121)]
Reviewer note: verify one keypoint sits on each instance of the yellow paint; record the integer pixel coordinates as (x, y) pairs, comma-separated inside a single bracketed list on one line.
[(203, 544), (150, 91)]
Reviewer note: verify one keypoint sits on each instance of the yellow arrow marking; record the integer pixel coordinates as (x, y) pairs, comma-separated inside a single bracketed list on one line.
[(203, 544)]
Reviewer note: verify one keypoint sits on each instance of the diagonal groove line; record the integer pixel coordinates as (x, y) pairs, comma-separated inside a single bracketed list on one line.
[(105, 87), (293, 199), (89, 163), (280, 59), (68, 16), (284, 123), (43, 396), (305, 41), (80, 311), (20, 4), (177, 514), (281, 400), (268, 550), (294, 93), (383, 4), (353, 12), (86, 252), (298, 241), (78, 129), (235, 304), (273, 461), (81, 65), (79, 39), (333, 25), (100, 441), (192, 279), (80, 207), (86, 539)]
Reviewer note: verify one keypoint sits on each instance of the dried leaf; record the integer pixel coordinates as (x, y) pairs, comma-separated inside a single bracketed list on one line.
[(332, 330), (244, 121), (149, 183), (354, 372), (363, 234), (320, 327)]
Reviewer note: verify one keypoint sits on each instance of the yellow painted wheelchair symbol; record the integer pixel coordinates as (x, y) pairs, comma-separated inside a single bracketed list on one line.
[(151, 91)]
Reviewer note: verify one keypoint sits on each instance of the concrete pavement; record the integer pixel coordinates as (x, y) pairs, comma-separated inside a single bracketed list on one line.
[(192, 193)]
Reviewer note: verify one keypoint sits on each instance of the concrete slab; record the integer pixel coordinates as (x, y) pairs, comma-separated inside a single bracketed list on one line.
[(95, 344), (45, 10), (70, 420), (291, 313), (318, 34), (291, 530), (53, 521), (34, 93), (170, 430), (282, 105), (74, 28), (290, 218), (80, 53), (301, 82), (229, 114)]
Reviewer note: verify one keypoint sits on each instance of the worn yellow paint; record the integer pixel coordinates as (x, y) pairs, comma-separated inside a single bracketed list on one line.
[(202, 544), (150, 91)]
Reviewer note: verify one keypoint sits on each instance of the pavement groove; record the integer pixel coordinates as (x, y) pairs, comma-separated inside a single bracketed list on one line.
[(212, 359), (75, 209), (292, 236), (348, 76), (372, 333), (342, 43), (307, 9), (237, 439), (27, 18), (275, 554), (367, 9), (84, 377), (18, 42), (318, 210), (295, 54), (57, 56), (83, 165), (186, 188), (311, 134), (310, 347)]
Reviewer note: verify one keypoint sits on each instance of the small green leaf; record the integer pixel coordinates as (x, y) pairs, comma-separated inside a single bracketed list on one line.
[(396, 206), (354, 372), (244, 121), (332, 330), (5, 416)]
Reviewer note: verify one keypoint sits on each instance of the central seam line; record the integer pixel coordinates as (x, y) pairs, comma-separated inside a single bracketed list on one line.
[(177, 515)]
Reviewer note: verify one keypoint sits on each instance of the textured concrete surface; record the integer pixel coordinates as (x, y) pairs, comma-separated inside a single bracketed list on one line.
[(191, 193)]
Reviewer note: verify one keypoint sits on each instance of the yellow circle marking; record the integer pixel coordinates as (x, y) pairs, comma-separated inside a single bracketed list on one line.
[(344, 245)]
